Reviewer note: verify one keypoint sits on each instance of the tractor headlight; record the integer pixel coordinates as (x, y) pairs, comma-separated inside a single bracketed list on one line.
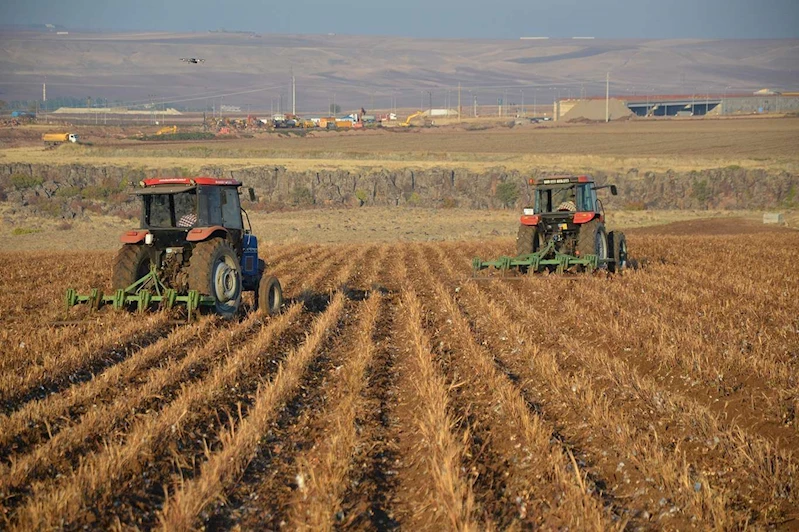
[(528, 212), (148, 239)]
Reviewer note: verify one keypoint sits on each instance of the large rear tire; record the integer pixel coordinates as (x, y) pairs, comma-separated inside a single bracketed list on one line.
[(214, 270), (528, 240), (593, 240), (269, 295), (617, 243), (131, 263)]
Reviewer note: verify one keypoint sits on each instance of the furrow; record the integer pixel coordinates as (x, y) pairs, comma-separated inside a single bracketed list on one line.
[(539, 485), (435, 492), (326, 466), (99, 478), (58, 371), (306, 389)]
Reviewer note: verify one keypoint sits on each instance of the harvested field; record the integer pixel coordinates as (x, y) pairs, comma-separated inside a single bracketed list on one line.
[(394, 393), (648, 145)]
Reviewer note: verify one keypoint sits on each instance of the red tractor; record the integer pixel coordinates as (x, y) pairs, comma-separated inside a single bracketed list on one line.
[(191, 248), (563, 229)]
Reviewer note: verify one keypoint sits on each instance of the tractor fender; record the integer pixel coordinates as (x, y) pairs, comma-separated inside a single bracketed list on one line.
[(584, 217), (133, 237), (199, 234)]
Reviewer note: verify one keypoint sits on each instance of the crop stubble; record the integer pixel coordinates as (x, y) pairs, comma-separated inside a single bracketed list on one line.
[(392, 392)]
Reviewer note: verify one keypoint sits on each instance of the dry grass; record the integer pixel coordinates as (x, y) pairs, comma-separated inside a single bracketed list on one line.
[(238, 444), (324, 468), (449, 502), (392, 390), (507, 416), (355, 225), (67, 500)]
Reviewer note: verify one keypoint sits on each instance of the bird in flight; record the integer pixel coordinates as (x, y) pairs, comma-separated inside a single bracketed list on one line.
[(194, 60)]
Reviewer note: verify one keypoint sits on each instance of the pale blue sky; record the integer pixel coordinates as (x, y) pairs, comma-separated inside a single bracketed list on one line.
[(504, 19)]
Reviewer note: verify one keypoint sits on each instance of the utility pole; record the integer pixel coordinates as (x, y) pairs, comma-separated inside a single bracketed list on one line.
[(607, 97), (293, 95), (555, 104), (459, 102)]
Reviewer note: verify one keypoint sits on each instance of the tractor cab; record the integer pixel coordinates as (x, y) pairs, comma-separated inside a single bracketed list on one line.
[(178, 209), (182, 203), (565, 199)]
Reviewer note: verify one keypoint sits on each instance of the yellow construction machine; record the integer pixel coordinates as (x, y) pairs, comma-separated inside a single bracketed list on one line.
[(167, 130), (407, 122)]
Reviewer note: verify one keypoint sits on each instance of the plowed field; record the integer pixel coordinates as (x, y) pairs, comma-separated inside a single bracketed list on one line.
[(392, 392)]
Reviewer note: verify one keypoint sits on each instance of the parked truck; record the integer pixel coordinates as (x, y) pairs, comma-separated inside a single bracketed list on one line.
[(51, 139)]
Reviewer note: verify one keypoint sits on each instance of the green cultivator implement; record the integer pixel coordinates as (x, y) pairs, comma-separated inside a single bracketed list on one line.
[(546, 259), (146, 292)]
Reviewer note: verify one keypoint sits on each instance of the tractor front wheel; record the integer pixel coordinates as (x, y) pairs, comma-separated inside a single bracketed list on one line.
[(132, 262), (269, 295), (214, 270), (593, 240)]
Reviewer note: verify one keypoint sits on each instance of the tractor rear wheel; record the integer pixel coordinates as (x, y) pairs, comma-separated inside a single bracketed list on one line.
[(528, 240), (593, 240), (269, 297), (132, 262), (617, 244), (214, 270)]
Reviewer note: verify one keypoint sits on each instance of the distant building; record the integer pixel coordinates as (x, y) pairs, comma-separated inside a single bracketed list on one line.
[(766, 92), (440, 112)]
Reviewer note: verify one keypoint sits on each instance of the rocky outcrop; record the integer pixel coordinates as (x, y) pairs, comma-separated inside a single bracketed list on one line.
[(722, 188)]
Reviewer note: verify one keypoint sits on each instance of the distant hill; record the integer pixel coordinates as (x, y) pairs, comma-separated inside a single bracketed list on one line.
[(248, 69)]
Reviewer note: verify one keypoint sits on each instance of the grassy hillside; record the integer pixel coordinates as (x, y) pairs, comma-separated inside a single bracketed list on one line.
[(366, 71)]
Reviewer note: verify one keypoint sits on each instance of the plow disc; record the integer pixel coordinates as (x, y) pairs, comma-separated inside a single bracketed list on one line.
[(545, 259), (146, 292)]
